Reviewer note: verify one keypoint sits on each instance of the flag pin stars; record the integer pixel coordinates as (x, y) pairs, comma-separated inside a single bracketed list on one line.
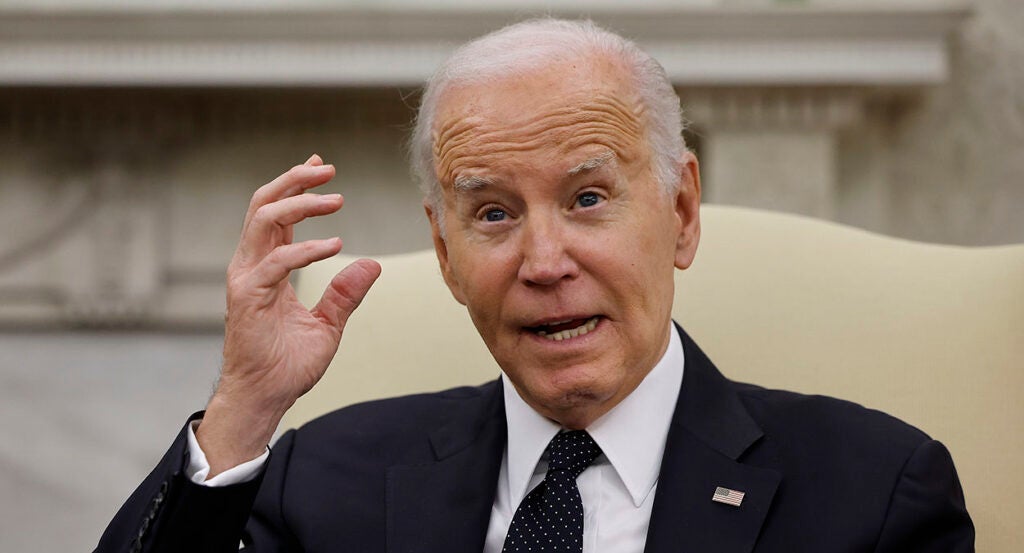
[(727, 496)]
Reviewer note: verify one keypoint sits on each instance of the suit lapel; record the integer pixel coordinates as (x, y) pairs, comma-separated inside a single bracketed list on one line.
[(710, 431), (445, 505)]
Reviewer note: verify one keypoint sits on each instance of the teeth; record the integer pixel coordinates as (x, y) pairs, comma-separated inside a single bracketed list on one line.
[(570, 333)]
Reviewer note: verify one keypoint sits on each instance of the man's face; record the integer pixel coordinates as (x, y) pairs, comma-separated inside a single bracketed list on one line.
[(557, 237)]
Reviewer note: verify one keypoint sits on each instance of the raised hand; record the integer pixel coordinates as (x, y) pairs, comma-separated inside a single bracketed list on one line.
[(275, 349)]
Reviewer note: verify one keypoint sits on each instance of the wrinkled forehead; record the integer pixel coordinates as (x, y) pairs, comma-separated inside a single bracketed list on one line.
[(569, 105)]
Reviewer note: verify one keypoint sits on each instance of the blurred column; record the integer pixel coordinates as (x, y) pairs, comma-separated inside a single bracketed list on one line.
[(773, 149), (83, 240), (110, 271)]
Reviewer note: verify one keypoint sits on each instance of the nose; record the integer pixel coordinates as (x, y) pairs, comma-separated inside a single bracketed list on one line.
[(546, 252)]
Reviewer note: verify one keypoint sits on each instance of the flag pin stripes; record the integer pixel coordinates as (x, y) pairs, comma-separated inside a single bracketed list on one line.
[(727, 496)]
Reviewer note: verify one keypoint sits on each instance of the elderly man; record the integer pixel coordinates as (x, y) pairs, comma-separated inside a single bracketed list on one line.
[(561, 198)]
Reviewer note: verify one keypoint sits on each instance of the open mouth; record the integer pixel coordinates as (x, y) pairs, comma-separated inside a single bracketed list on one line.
[(563, 330)]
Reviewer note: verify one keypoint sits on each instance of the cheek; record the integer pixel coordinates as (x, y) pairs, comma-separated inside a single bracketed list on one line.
[(484, 277), (640, 269), (657, 238)]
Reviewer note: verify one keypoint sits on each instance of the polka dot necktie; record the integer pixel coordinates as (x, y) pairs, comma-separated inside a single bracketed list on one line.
[(551, 516)]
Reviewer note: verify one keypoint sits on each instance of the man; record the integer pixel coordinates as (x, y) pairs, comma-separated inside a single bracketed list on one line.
[(561, 198)]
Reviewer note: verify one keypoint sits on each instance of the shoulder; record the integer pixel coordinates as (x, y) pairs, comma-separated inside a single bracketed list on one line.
[(395, 426), (831, 430), (881, 476)]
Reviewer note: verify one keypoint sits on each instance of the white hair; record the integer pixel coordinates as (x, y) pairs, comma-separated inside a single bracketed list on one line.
[(522, 47)]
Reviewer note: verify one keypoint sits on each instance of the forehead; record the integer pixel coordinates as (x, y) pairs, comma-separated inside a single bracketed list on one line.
[(565, 111)]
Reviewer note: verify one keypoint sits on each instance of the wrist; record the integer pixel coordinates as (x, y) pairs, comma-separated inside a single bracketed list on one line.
[(234, 432)]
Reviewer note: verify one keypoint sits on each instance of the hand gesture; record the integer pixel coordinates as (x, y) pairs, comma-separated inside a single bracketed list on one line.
[(275, 349)]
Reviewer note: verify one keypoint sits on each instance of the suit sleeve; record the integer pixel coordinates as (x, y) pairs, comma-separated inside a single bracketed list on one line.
[(168, 512), (927, 512)]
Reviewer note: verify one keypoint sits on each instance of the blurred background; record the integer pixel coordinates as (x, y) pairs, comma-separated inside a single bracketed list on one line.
[(132, 134)]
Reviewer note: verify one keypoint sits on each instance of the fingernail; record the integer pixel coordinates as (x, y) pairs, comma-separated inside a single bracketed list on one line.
[(310, 160), (330, 197)]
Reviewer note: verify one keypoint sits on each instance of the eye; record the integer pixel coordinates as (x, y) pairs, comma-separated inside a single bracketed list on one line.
[(588, 199), (494, 215)]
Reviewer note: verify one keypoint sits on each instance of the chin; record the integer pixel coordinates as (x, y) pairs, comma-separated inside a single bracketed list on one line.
[(576, 406), (578, 413)]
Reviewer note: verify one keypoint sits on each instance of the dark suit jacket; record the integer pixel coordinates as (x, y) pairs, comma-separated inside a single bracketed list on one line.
[(418, 474)]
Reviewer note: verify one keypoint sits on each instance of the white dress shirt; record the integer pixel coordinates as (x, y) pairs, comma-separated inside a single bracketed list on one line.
[(618, 488)]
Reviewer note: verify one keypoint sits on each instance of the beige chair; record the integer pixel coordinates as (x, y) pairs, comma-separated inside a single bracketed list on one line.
[(931, 334)]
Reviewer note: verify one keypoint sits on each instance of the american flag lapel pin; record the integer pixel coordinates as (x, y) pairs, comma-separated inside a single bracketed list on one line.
[(727, 496)]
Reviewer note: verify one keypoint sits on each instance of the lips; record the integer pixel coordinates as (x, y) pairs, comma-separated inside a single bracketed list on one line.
[(565, 329)]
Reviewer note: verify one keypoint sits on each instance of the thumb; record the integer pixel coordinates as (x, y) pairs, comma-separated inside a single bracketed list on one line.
[(346, 291)]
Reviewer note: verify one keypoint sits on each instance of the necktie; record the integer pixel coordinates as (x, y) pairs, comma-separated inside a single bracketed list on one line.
[(551, 516)]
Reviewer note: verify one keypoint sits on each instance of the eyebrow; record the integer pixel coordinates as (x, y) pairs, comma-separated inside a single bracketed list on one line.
[(473, 182), (468, 183), (592, 164)]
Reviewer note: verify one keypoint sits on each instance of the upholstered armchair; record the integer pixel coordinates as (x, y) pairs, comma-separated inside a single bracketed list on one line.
[(931, 334)]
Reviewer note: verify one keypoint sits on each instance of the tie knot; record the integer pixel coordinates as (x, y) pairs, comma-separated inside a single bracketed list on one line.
[(572, 451)]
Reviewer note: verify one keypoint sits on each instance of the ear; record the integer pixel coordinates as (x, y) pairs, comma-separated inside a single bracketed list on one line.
[(687, 206), (441, 249)]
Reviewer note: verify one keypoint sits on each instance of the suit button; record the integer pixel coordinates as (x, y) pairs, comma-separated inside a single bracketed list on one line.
[(160, 494)]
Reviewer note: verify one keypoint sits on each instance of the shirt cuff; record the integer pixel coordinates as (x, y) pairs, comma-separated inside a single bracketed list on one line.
[(199, 467)]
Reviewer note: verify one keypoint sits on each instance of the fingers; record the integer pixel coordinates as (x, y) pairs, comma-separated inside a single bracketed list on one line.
[(270, 224), (276, 266), (346, 292), (295, 181)]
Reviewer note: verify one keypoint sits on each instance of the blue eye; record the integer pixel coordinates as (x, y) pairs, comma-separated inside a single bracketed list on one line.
[(588, 199), (494, 215)]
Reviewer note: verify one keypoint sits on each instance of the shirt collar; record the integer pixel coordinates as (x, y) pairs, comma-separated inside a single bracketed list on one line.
[(632, 435)]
